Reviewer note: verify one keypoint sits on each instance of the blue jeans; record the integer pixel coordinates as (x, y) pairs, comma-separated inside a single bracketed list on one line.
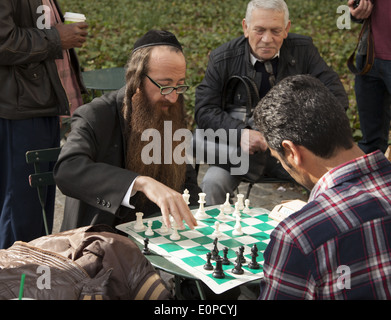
[(373, 94), (20, 210)]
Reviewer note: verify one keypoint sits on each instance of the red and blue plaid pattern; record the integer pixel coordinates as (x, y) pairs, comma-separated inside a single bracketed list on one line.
[(339, 245)]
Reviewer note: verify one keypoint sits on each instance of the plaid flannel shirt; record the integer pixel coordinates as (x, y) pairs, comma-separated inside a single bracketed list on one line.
[(338, 246)]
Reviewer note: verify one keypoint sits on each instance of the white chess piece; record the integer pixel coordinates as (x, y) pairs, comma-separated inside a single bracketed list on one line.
[(217, 233), (236, 212), (221, 215), (238, 228), (175, 235), (240, 201), (163, 228), (227, 205), (247, 206), (149, 231), (186, 196), (139, 226), (201, 214)]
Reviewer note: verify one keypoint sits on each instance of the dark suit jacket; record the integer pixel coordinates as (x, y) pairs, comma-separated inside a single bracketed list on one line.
[(91, 170)]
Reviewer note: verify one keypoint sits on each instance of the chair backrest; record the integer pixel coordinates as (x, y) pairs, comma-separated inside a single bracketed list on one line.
[(40, 179), (104, 80)]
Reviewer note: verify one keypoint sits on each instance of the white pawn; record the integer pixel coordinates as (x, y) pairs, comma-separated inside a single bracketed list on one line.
[(149, 231), (227, 205), (240, 201), (175, 235), (238, 228), (221, 215), (247, 206), (217, 233), (139, 226)]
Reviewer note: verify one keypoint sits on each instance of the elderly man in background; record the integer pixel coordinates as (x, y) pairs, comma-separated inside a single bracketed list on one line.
[(266, 53)]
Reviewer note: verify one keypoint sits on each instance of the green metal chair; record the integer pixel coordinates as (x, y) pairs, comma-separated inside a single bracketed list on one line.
[(104, 80), (40, 179), (99, 80)]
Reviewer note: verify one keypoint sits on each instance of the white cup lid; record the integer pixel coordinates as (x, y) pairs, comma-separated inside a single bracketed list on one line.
[(74, 16)]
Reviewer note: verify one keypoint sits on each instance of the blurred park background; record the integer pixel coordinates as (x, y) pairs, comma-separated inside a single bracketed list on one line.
[(203, 25)]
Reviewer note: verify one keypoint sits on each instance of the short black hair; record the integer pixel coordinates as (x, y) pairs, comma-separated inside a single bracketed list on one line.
[(303, 110)]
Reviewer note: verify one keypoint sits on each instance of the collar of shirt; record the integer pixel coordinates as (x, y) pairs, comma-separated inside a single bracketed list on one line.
[(349, 171), (253, 59)]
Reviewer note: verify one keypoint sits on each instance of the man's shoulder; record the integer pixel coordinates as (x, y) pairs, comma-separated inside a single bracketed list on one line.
[(103, 104), (102, 111), (295, 39), (231, 49), (333, 213), (309, 227)]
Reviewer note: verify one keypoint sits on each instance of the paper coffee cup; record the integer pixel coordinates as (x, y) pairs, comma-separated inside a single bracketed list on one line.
[(71, 17)]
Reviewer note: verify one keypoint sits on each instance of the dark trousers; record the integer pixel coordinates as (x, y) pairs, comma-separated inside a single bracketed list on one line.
[(20, 210), (373, 94)]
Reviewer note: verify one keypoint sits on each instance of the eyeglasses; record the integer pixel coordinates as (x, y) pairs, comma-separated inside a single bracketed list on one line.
[(181, 89)]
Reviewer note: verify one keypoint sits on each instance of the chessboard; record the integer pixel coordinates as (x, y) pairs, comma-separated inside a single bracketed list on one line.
[(195, 249)]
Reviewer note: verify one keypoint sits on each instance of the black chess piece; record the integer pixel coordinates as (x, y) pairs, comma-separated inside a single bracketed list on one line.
[(218, 272), (238, 266), (225, 261), (240, 255), (208, 265), (146, 250), (215, 251), (254, 254)]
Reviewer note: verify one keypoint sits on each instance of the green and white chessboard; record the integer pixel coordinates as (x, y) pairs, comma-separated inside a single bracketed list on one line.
[(190, 251)]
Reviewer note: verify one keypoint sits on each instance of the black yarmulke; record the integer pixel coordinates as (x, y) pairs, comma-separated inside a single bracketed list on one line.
[(157, 38)]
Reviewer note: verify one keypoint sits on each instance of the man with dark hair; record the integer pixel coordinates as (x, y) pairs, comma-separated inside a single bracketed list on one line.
[(102, 167), (338, 246)]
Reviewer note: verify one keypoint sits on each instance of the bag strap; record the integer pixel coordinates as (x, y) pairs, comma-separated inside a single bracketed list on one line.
[(251, 91), (370, 51)]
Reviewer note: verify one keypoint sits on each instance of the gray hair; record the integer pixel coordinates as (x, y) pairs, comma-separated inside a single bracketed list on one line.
[(277, 5)]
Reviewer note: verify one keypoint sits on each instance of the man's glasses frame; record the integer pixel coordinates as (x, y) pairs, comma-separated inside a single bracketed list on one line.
[(165, 90)]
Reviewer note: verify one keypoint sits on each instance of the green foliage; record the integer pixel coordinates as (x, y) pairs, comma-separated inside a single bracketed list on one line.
[(203, 25)]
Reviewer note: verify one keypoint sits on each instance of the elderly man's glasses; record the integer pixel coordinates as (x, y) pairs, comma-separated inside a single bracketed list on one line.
[(165, 90)]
